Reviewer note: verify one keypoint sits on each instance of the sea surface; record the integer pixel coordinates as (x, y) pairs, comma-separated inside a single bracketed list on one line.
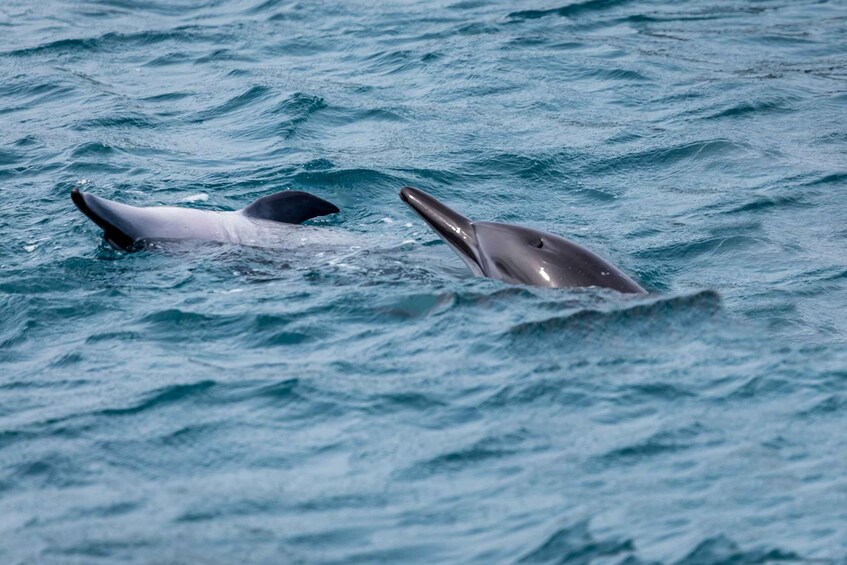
[(373, 401)]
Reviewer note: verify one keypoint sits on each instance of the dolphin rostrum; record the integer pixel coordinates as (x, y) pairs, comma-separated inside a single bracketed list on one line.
[(517, 254), (125, 227)]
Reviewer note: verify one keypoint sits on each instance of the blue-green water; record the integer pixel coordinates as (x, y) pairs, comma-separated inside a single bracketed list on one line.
[(218, 404)]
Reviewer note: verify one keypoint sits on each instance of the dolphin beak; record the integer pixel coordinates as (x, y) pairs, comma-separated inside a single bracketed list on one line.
[(457, 230)]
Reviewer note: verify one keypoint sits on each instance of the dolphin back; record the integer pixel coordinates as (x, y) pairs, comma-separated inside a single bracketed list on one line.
[(125, 227)]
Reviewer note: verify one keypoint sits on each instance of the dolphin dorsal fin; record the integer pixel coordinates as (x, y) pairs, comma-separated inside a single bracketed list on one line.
[(289, 207)]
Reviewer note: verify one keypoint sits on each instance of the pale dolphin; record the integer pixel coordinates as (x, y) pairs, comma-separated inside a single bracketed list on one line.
[(517, 254), (126, 227)]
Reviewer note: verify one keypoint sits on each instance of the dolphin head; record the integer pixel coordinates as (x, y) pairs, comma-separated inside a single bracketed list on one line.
[(517, 254)]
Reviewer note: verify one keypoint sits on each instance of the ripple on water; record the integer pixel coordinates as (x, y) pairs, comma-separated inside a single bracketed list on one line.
[(576, 544), (168, 395), (573, 10), (644, 318)]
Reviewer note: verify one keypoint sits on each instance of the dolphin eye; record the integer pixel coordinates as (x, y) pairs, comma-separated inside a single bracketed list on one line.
[(537, 243)]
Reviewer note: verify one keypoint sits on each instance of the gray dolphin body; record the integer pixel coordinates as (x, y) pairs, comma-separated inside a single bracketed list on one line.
[(517, 254), (126, 227)]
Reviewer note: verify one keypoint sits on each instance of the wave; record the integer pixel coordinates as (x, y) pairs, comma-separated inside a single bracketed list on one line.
[(575, 544), (656, 315), (115, 40), (573, 10), (172, 394)]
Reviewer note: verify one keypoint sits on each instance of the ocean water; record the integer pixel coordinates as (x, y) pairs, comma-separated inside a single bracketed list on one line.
[(372, 401)]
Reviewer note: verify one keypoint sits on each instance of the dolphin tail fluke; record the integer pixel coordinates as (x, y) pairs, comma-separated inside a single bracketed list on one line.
[(289, 207), (117, 229)]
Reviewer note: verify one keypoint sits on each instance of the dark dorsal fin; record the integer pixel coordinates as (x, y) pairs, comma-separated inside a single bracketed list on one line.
[(289, 207)]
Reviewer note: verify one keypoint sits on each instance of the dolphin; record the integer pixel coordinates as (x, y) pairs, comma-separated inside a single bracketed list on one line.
[(517, 254), (127, 227)]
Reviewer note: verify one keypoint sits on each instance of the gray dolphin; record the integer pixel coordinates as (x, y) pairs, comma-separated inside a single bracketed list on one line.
[(517, 254), (125, 227)]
